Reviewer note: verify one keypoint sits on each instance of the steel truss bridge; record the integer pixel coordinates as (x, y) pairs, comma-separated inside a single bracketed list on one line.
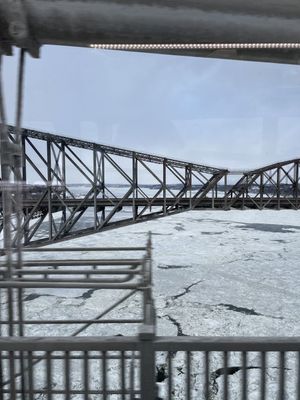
[(148, 186)]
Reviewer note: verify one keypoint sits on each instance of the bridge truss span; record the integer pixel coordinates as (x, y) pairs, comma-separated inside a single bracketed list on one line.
[(74, 187), (276, 186)]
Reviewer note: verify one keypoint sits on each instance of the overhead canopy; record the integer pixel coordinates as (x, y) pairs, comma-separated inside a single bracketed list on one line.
[(33, 23)]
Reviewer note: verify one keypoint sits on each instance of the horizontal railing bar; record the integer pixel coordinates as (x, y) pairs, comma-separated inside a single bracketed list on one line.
[(53, 357), (82, 262), (58, 343), (75, 249), (71, 285), (59, 267), (161, 343), (75, 280), (72, 392), (73, 321), (77, 272), (239, 344)]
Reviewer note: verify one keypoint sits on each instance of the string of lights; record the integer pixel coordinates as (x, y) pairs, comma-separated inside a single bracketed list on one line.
[(197, 46)]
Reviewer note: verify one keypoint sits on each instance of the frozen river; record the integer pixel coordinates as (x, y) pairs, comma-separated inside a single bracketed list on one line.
[(216, 273)]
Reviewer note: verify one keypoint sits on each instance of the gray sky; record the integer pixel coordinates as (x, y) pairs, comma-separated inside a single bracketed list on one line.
[(223, 113)]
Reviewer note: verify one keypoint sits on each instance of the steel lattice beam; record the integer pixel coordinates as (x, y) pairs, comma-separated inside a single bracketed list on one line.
[(53, 210), (275, 186)]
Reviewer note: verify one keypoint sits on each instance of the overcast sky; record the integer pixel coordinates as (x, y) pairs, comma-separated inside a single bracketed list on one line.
[(224, 113)]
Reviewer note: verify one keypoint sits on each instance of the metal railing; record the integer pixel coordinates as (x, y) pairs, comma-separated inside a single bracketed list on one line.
[(23, 373), (126, 277), (127, 368)]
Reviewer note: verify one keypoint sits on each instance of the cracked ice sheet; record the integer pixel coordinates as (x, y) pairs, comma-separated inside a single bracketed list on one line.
[(238, 265), (243, 260)]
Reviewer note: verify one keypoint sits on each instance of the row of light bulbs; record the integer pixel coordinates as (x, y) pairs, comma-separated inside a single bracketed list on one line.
[(197, 46)]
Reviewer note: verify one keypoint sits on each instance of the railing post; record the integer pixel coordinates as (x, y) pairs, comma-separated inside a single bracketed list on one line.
[(225, 192), (147, 331), (147, 372), (165, 186)]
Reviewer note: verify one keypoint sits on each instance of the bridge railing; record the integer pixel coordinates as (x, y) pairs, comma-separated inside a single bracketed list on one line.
[(149, 367)]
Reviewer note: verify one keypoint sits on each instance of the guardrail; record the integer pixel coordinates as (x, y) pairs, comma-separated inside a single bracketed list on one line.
[(127, 367)]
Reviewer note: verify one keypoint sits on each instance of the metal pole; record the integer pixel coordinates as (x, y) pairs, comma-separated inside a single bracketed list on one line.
[(134, 186), (278, 188), (147, 372), (261, 189), (165, 186), (296, 192), (225, 192), (95, 185), (49, 181), (18, 180), (103, 182), (5, 179), (18, 163), (63, 178)]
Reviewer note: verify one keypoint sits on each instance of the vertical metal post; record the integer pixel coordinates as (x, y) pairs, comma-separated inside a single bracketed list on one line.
[(207, 375), (261, 190), (212, 198), (296, 191), (170, 375), (225, 383), (6, 155), (147, 332), (245, 192), (6, 161), (188, 376), (188, 184), (281, 375), (24, 178), (263, 376), (247, 187), (95, 185), (63, 178), (147, 372), (225, 191), (245, 376), (278, 188), (165, 186), (103, 181), (49, 183), (134, 186), (18, 164)]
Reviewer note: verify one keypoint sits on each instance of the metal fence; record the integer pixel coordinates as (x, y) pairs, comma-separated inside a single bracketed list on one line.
[(127, 368), (124, 277)]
